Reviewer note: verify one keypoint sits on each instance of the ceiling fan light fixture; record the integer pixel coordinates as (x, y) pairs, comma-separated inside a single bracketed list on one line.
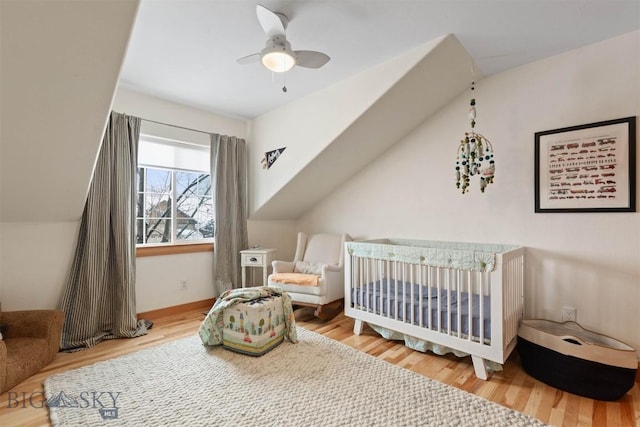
[(277, 55), (278, 60)]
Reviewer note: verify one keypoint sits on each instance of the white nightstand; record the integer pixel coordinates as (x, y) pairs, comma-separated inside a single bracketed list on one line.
[(256, 258)]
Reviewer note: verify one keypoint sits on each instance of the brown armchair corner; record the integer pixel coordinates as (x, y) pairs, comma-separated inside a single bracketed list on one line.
[(31, 340)]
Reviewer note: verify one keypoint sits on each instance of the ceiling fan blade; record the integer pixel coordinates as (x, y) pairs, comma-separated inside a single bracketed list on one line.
[(311, 59), (273, 24), (249, 59)]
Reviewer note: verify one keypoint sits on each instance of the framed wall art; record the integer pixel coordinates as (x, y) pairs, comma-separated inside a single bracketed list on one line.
[(587, 168)]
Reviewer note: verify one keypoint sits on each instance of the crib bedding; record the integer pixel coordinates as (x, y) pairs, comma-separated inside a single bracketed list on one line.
[(381, 297)]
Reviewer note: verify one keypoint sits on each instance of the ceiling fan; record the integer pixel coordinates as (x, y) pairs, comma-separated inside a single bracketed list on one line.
[(277, 54)]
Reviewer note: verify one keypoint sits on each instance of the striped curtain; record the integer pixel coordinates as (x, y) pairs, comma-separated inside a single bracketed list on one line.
[(229, 180), (99, 297)]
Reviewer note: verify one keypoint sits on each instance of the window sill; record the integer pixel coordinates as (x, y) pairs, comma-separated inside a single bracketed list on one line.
[(174, 249)]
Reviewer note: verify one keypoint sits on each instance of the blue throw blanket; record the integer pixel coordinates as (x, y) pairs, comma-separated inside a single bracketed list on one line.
[(211, 328)]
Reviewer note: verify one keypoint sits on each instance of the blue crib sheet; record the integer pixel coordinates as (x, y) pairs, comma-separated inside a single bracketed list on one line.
[(447, 303)]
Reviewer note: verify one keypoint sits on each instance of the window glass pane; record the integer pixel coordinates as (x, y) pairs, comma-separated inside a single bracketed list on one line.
[(204, 187), (140, 179), (157, 231), (140, 194), (158, 181), (195, 218), (186, 183), (192, 183), (187, 206), (139, 205), (157, 206), (154, 206), (207, 229), (139, 231), (187, 229)]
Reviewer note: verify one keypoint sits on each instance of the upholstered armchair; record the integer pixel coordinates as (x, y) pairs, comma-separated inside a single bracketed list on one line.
[(30, 341), (315, 277)]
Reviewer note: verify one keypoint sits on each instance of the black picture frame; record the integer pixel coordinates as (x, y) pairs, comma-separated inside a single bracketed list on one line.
[(586, 168)]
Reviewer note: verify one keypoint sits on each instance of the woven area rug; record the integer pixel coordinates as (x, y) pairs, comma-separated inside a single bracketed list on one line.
[(316, 382)]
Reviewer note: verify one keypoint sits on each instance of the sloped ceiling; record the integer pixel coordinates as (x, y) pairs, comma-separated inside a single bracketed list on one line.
[(60, 65), (400, 94), (186, 51)]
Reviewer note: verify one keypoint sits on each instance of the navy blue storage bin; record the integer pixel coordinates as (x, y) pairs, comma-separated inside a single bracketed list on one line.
[(573, 359)]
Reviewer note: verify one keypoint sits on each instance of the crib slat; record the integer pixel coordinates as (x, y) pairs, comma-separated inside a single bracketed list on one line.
[(481, 314), (440, 279), (449, 304), (364, 286), (420, 287), (395, 288), (412, 304), (405, 292), (470, 309), (459, 293), (388, 288)]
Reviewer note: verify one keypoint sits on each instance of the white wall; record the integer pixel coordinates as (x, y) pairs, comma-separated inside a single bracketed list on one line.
[(60, 67), (590, 261), (281, 235), (35, 258), (307, 126)]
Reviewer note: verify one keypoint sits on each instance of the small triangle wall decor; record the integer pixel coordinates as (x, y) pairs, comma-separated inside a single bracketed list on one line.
[(270, 157)]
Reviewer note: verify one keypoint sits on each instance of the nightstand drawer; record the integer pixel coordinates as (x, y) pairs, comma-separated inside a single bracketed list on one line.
[(253, 259)]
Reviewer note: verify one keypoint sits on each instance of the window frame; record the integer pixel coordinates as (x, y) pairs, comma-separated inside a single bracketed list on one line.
[(175, 245), (173, 249)]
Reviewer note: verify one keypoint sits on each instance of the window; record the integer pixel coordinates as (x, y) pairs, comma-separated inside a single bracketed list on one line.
[(174, 203)]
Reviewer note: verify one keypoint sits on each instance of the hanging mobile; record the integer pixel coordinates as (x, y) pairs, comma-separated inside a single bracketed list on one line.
[(475, 155)]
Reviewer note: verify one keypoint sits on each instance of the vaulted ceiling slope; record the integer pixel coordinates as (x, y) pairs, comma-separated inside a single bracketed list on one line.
[(332, 134), (60, 65), (186, 51)]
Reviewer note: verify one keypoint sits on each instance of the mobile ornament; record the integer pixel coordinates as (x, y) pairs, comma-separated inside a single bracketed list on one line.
[(475, 155)]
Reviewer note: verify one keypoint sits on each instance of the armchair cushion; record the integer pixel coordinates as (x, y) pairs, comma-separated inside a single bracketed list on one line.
[(324, 249), (299, 279), (283, 266), (308, 268)]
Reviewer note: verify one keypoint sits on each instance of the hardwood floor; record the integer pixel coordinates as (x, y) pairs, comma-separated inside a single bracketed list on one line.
[(24, 404)]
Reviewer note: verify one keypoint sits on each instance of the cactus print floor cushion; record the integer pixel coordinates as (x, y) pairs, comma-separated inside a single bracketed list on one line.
[(254, 327)]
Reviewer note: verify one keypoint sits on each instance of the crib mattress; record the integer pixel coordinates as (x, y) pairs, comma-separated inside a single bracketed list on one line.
[(254, 327), (381, 297)]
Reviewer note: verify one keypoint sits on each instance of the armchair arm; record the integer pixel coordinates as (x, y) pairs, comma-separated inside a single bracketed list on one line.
[(45, 324), (31, 323), (333, 273), (332, 268), (3, 363), (334, 281), (283, 266)]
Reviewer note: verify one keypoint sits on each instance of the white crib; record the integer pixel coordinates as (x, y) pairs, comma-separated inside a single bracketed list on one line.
[(465, 297)]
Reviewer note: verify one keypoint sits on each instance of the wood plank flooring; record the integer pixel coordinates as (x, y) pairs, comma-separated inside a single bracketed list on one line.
[(24, 404)]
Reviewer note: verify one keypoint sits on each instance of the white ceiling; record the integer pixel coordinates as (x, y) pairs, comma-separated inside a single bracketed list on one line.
[(186, 51)]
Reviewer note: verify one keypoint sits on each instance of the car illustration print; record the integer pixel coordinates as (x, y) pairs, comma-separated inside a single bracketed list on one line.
[(607, 189)]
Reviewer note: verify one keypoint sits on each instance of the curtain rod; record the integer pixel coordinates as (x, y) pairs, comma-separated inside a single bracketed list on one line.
[(176, 126)]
